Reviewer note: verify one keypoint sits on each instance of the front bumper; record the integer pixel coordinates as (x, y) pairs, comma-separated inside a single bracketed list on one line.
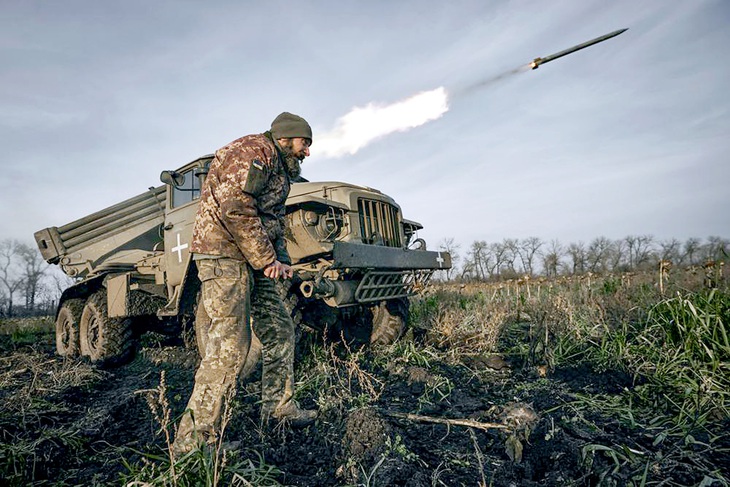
[(360, 256), (388, 273)]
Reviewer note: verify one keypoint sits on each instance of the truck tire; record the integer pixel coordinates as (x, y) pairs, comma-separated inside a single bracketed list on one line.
[(106, 341), (389, 321), (67, 328)]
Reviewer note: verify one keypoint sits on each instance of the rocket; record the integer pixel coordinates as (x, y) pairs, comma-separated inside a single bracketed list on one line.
[(542, 60)]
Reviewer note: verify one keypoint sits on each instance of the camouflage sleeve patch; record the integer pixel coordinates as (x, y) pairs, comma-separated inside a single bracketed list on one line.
[(256, 178)]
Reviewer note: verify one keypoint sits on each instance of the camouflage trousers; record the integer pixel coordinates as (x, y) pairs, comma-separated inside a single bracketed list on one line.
[(233, 293)]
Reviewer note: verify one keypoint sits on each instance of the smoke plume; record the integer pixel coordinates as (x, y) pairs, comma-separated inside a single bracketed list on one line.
[(363, 125)]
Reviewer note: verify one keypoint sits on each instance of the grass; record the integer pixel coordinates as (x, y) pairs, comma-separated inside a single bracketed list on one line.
[(666, 333), (26, 331), (32, 377), (202, 467), (671, 337), (205, 465)]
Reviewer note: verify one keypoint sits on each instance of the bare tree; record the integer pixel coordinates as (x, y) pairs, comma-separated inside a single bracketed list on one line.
[(485, 261), (598, 254), (3, 302), (551, 258), (33, 268), (617, 256), (499, 258), (8, 277), (477, 259), (692, 250), (526, 251), (639, 250), (670, 250), (510, 248), (716, 248), (630, 246), (450, 246), (60, 281), (577, 254), (645, 255)]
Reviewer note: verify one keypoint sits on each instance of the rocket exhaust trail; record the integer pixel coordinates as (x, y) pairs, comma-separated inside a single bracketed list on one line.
[(490, 81), (535, 63), (364, 124)]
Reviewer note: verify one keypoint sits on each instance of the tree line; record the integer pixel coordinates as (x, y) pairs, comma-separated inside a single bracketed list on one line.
[(532, 256), (28, 286)]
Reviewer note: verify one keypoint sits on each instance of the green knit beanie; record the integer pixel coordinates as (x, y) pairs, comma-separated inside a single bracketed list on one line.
[(287, 125)]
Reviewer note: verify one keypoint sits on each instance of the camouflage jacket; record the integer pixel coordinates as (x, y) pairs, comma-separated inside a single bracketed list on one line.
[(241, 210)]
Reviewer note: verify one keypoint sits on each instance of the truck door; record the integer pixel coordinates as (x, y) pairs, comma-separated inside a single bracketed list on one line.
[(182, 205)]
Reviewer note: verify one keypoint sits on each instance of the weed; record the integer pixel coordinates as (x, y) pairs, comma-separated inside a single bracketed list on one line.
[(198, 468), (207, 464), (396, 446), (338, 378), (437, 389)]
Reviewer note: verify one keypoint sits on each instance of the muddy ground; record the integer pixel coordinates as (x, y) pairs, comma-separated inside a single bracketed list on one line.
[(65, 423)]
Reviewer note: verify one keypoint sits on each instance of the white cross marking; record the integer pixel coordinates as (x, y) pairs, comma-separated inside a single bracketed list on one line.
[(180, 247), (440, 260)]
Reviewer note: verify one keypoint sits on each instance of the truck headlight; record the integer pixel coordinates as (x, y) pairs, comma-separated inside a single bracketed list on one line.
[(330, 224), (310, 218), (324, 223)]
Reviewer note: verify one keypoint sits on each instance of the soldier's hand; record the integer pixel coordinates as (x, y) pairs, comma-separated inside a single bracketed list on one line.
[(276, 269)]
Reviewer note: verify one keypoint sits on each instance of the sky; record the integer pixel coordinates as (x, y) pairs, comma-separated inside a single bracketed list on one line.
[(427, 101)]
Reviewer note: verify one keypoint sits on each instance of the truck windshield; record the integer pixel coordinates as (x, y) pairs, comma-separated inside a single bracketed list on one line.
[(187, 192)]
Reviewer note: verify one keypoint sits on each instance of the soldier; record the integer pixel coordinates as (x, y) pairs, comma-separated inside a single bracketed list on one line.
[(239, 249)]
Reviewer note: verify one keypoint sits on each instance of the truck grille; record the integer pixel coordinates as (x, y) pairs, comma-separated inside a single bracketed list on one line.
[(380, 285), (379, 223)]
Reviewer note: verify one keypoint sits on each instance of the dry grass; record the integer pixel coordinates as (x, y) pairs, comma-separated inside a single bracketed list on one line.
[(11, 326), (32, 374)]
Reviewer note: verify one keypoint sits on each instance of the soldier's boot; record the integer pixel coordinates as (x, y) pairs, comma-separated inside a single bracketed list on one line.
[(185, 444), (290, 413)]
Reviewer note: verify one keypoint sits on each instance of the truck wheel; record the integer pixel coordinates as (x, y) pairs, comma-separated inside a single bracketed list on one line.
[(67, 327), (389, 321), (106, 341)]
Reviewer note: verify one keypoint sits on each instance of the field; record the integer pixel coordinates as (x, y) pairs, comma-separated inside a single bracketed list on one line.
[(599, 380)]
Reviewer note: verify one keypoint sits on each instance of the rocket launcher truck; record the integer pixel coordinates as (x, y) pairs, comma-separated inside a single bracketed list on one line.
[(356, 263)]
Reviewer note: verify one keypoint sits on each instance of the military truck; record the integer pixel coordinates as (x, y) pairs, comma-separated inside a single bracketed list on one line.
[(356, 262)]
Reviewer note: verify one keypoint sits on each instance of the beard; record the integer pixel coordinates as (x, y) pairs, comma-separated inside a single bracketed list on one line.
[(293, 166), (292, 163)]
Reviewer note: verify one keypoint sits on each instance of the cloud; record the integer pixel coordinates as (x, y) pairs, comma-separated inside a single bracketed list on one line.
[(363, 125)]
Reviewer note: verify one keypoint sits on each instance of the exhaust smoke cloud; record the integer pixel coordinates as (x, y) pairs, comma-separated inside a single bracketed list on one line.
[(362, 125)]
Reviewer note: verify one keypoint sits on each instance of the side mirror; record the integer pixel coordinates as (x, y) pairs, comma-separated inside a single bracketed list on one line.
[(172, 178)]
